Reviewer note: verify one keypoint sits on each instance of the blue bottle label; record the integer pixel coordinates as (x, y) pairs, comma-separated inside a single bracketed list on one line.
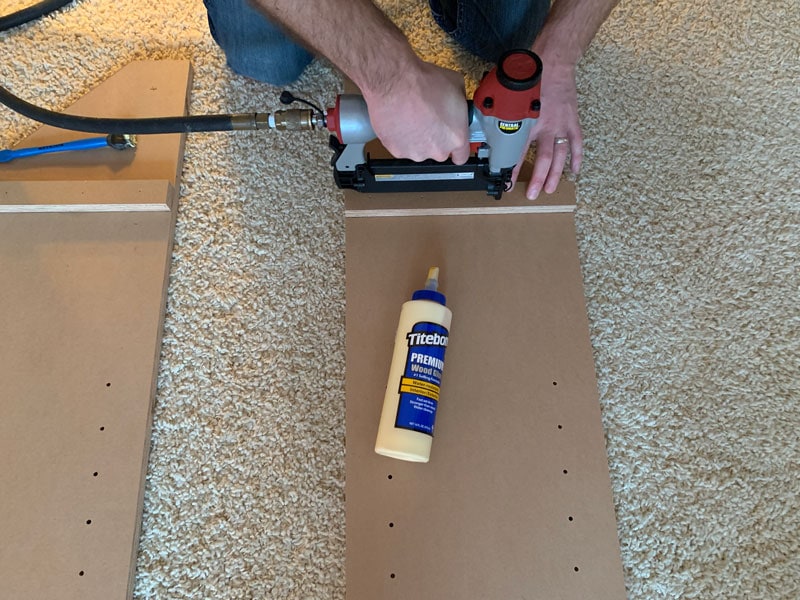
[(422, 377)]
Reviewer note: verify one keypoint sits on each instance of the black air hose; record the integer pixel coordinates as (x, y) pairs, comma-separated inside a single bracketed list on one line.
[(107, 126), (31, 13), (141, 126)]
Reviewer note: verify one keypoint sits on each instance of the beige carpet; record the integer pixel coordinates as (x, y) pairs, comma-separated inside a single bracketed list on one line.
[(689, 233)]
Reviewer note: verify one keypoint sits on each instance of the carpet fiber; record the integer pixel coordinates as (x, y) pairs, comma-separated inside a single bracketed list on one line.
[(689, 234)]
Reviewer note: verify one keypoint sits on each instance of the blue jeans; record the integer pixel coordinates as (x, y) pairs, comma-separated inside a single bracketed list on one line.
[(257, 48), (487, 28), (253, 45)]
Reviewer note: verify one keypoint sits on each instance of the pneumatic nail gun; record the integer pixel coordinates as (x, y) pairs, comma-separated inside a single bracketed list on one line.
[(502, 112)]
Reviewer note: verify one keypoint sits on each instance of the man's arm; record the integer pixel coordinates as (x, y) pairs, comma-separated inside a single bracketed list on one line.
[(418, 110), (569, 29)]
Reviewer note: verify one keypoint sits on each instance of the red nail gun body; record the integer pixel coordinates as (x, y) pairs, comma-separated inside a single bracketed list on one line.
[(502, 112)]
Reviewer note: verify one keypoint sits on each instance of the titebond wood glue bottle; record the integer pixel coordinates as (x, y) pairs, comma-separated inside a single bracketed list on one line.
[(415, 376)]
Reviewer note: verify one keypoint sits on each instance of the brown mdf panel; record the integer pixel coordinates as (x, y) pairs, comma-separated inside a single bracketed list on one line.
[(82, 310), (141, 89), (84, 263), (85, 196), (516, 500)]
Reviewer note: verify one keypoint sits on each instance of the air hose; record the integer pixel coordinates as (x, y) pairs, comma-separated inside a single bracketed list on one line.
[(105, 125), (31, 13), (287, 119), (115, 126), (141, 126)]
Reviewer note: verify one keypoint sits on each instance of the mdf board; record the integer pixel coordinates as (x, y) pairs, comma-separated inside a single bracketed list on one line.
[(516, 499), (85, 248)]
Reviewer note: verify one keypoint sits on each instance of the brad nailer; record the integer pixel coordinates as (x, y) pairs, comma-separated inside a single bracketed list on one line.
[(502, 112)]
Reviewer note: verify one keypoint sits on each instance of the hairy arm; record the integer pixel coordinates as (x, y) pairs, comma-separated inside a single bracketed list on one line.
[(418, 110), (567, 33)]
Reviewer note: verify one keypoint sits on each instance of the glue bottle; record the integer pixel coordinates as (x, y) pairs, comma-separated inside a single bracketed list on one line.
[(412, 392)]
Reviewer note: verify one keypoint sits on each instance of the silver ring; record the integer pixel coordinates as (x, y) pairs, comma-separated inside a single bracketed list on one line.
[(561, 140)]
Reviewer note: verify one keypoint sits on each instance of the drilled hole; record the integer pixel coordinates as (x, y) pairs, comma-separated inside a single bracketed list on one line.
[(555, 383), (108, 384), (88, 521), (95, 474), (80, 573), (102, 429), (392, 575), (571, 518), (391, 524), (565, 471), (577, 569), (561, 427), (389, 477)]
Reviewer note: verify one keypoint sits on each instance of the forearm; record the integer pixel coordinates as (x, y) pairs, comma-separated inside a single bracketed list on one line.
[(355, 35), (569, 29), (417, 109)]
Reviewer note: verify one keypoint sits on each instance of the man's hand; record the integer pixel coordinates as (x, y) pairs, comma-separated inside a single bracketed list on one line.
[(567, 32), (422, 114), (557, 132)]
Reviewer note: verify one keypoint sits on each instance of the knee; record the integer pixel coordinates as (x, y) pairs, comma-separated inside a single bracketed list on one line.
[(487, 29), (276, 66), (254, 46)]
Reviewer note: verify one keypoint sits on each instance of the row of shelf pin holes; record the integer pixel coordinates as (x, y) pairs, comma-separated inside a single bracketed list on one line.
[(391, 524), (570, 518), (81, 573)]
